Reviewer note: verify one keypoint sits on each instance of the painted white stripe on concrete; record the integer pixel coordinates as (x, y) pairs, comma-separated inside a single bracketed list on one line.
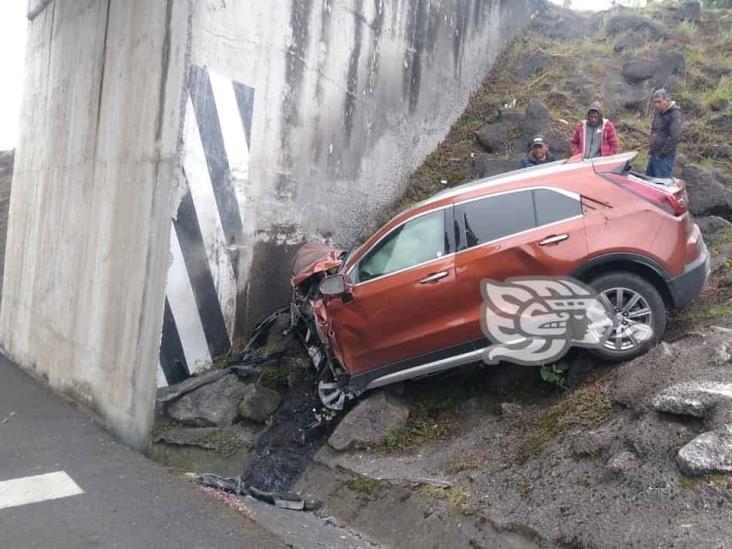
[(160, 374), (185, 312), (209, 219), (26, 490), (230, 120)]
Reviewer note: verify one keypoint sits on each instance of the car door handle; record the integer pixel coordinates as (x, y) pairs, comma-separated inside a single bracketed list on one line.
[(554, 239), (433, 277)]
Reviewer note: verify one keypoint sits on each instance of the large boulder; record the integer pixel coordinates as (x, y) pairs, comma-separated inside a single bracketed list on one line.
[(498, 134), (708, 195), (628, 42), (213, 404), (709, 453), (713, 227), (694, 398), (722, 122), (638, 70), (259, 403), (620, 94), (486, 165), (625, 22), (690, 10), (536, 121), (537, 62), (368, 423)]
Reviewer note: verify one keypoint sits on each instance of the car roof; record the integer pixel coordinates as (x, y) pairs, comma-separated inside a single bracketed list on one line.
[(550, 168)]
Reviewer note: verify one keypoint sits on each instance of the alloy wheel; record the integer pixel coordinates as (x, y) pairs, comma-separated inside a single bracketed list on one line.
[(632, 318)]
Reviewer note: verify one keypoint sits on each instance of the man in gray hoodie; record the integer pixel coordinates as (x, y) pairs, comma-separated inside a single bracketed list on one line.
[(665, 133)]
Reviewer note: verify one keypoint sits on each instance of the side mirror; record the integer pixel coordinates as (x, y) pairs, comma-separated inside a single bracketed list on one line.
[(334, 285)]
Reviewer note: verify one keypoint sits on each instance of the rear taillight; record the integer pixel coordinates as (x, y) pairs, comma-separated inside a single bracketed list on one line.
[(671, 198)]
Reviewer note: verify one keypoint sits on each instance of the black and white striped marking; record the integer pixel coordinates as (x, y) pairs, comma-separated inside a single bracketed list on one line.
[(201, 289)]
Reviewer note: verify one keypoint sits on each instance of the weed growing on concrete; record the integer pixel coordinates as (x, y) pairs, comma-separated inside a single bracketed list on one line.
[(366, 486), (587, 407)]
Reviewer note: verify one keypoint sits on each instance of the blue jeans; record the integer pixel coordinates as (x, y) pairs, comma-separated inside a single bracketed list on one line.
[(660, 165)]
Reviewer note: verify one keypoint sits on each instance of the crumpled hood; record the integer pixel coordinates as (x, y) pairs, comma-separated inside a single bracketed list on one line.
[(312, 258)]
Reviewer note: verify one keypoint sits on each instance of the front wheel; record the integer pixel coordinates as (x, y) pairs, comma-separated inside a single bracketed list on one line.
[(638, 315)]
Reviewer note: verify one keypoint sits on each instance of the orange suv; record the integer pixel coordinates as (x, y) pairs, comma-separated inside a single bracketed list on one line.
[(407, 303)]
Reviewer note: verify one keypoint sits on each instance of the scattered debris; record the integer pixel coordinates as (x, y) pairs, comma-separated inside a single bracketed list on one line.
[(283, 500)]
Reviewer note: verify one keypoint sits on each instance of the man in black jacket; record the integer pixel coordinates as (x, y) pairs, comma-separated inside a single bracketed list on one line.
[(538, 153), (665, 133)]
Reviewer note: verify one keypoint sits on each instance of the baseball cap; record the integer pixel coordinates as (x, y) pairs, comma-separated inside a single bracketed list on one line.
[(538, 140)]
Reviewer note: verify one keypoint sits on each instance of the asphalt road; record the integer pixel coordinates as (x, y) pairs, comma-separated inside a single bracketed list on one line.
[(108, 496)]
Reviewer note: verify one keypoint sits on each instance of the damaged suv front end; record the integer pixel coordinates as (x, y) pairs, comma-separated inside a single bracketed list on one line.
[(312, 263)]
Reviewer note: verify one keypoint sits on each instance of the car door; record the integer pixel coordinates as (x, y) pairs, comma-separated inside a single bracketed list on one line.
[(400, 296), (527, 232)]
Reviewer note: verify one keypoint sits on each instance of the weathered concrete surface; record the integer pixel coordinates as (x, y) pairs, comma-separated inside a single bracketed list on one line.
[(6, 179), (89, 219), (349, 97)]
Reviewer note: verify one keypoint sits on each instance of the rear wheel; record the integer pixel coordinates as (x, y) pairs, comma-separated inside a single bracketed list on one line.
[(639, 315)]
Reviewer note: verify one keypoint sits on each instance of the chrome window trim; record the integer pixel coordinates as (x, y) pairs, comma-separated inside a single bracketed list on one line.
[(570, 194), (519, 233)]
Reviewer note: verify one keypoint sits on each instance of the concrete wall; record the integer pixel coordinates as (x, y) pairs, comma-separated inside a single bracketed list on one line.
[(173, 153), (93, 193), (349, 97)]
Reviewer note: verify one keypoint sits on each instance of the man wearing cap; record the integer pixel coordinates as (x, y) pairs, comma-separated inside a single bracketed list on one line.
[(665, 133), (595, 136), (538, 153)]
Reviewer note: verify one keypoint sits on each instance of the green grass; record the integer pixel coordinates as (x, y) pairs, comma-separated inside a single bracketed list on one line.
[(456, 497), (465, 462), (720, 480), (723, 91), (588, 407), (435, 416), (364, 485), (688, 29)]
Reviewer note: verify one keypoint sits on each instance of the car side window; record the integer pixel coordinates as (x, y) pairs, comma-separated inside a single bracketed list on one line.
[(494, 217), (552, 206), (416, 241)]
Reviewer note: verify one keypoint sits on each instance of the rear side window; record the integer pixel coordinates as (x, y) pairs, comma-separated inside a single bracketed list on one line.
[(504, 215), (552, 206), (495, 217)]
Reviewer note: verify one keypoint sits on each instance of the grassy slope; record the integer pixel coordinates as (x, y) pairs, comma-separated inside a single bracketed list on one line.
[(707, 47)]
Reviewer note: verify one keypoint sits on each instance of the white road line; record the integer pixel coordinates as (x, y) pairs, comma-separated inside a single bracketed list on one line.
[(22, 491)]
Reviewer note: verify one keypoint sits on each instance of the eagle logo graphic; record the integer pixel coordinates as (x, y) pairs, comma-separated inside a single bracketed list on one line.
[(534, 321)]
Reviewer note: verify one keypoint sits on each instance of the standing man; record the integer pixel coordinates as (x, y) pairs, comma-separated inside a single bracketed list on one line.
[(595, 136), (665, 133), (538, 153)]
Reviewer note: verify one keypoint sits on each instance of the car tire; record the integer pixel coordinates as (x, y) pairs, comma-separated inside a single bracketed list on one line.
[(632, 286)]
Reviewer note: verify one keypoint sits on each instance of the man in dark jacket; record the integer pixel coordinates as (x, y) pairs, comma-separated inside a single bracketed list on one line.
[(665, 133), (538, 153)]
